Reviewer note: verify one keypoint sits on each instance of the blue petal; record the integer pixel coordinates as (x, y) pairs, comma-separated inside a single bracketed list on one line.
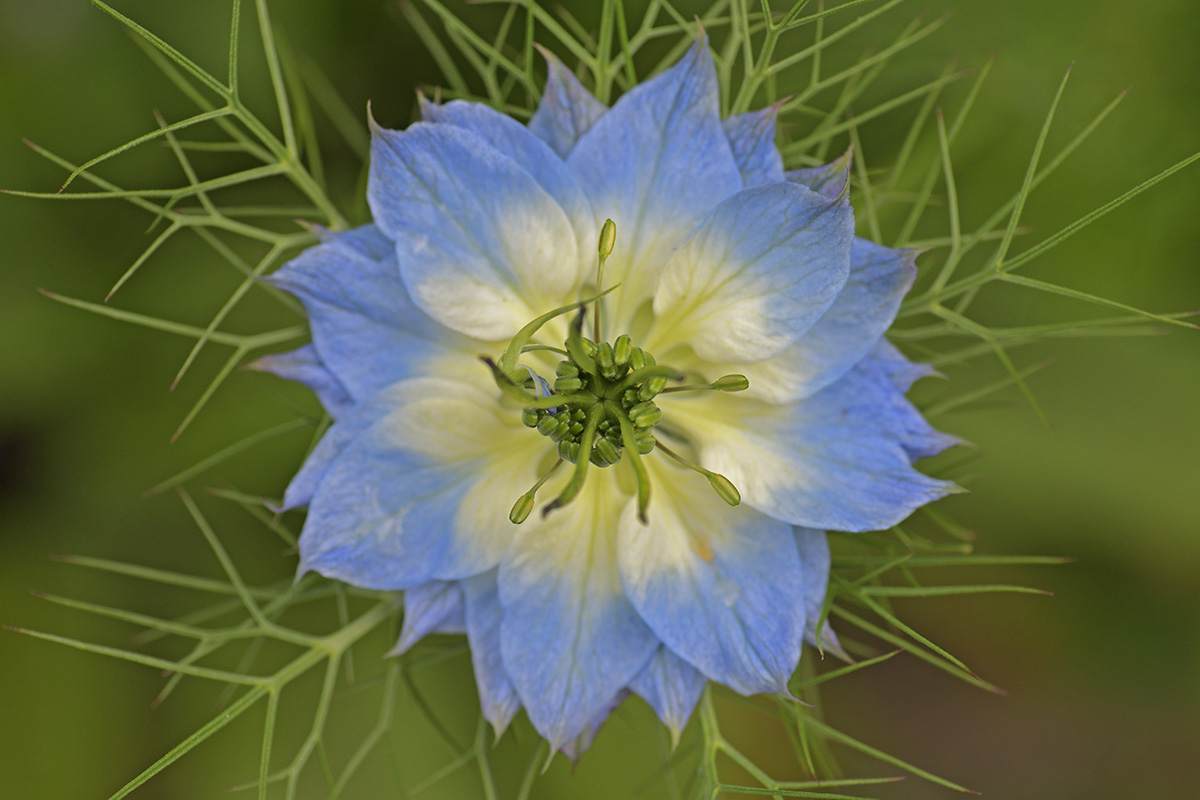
[(752, 138), (388, 512), (756, 276), (365, 328), (567, 110), (828, 180), (482, 247), (570, 638), (433, 607), (672, 687), (344, 431), (533, 155), (899, 370), (721, 586), (813, 547), (576, 747), (918, 437), (305, 366), (656, 164), (839, 460), (879, 279), (497, 697)]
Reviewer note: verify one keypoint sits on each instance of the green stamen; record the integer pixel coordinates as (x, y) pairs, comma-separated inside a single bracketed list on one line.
[(725, 383), (720, 484), (524, 505), (608, 240)]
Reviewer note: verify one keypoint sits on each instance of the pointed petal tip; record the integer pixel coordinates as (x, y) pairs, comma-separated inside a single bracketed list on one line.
[(398, 649), (372, 124), (552, 60), (302, 569), (499, 726), (425, 107)]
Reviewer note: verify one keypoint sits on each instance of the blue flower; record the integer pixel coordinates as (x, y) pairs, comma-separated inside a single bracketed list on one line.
[(643, 579)]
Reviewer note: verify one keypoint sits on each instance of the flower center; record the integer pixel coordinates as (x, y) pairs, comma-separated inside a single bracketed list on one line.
[(618, 378), (602, 401)]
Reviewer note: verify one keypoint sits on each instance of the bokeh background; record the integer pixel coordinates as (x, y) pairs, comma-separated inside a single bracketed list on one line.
[(1103, 678)]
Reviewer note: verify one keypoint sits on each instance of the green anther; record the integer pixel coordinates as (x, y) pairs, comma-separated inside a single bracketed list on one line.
[(640, 359), (564, 449), (724, 488), (530, 417), (566, 369), (732, 383), (521, 508), (651, 388), (604, 248), (568, 385), (604, 360), (547, 425), (608, 238), (605, 453), (576, 428), (645, 415), (622, 350), (561, 431)]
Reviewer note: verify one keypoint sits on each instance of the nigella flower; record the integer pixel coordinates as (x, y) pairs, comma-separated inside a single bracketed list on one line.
[(629, 492)]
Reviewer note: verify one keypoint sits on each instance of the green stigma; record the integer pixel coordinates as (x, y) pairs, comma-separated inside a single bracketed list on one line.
[(601, 404)]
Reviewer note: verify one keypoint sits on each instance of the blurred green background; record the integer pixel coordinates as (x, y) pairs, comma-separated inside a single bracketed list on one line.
[(1103, 679)]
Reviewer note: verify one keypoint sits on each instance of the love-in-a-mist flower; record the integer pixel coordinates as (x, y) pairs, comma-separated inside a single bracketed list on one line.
[(628, 492)]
